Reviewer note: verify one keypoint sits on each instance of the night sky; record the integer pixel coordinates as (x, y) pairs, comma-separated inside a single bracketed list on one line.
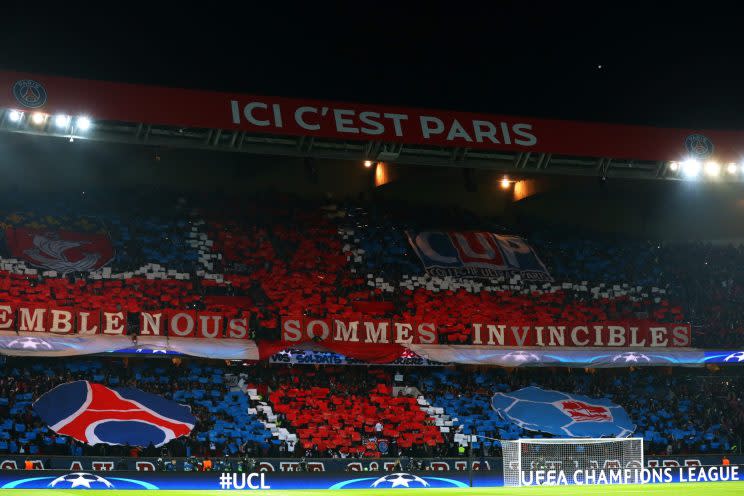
[(677, 64)]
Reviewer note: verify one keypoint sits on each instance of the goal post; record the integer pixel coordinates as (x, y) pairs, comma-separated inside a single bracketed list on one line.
[(572, 461)]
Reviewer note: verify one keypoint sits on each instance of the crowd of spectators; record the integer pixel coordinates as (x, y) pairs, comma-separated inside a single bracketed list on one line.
[(358, 411), (228, 422), (273, 256), (596, 277), (276, 256), (676, 412)]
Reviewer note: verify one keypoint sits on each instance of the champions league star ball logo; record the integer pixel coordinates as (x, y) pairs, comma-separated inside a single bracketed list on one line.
[(699, 146), (80, 480), (521, 357), (400, 480), (631, 357), (29, 343), (29, 93), (561, 414), (735, 357), (75, 480)]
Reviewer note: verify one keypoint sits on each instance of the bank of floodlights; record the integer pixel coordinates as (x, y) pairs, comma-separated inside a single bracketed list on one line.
[(81, 123), (692, 169)]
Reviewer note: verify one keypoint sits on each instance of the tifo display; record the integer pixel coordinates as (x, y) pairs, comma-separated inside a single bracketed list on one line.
[(362, 414), (301, 341), (313, 276)]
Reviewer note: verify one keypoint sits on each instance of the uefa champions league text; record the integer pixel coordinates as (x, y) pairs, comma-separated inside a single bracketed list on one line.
[(630, 476)]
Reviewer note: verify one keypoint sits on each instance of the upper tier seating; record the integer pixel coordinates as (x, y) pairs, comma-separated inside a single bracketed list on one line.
[(278, 256)]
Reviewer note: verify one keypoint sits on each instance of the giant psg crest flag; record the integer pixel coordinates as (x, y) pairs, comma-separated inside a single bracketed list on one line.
[(95, 414), (563, 414)]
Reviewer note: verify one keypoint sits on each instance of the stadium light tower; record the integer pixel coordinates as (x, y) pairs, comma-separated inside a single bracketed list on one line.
[(38, 118), (732, 168), (15, 116)]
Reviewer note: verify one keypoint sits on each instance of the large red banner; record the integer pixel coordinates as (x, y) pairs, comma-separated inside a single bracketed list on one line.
[(337, 334), (174, 323), (352, 121)]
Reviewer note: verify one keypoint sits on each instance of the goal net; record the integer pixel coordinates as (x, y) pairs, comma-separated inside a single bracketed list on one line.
[(572, 461)]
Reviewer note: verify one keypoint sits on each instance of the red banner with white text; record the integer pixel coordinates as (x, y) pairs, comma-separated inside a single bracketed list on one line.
[(354, 121), (111, 322), (558, 334), (342, 336)]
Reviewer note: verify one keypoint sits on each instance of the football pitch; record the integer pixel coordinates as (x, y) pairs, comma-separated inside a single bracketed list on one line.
[(694, 489)]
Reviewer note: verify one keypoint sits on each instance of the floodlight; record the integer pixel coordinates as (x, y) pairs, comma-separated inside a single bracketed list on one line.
[(712, 169), (62, 120), (691, 168), (83, 123)]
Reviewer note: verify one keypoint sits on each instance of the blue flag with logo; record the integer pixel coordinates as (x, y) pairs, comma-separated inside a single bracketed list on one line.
[(96, 414), (563, 414)]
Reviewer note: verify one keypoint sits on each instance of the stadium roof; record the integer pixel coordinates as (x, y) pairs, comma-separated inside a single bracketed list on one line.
[(231, 122)]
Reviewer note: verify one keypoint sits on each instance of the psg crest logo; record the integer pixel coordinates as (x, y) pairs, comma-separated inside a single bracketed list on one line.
[(94, 414), (29, 93), (699, 146)]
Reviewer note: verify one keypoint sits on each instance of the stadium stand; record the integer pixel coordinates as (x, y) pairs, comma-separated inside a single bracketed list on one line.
[(674, 413), (228, 417), (289, 256), (344, 409), (345, 261), (274, 410)]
